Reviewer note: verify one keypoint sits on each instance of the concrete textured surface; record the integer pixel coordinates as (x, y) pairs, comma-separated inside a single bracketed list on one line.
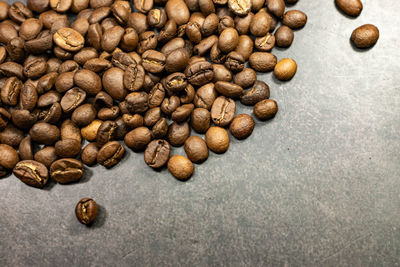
[(317, 186)]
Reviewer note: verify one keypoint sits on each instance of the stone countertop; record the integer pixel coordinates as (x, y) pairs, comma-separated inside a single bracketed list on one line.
[(317, 185)]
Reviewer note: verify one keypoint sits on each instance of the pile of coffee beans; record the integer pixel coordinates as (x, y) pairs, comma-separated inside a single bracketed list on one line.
[(147, 74), (364, 36)]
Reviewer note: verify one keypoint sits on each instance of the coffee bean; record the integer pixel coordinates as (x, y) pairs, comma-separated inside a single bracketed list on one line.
[(199, 73), (196, 149), (157, 18), (25, 149), (242, 126), (260, 24), (242, 24), (83, 115), (23, 118), (294, 19), (276, 7), (113, 83), (365, 36), (217, 139), (86, 211), (177, 60), (175, 82), (32, 173), (15, 49), (221, 73), (64, 82), (235, 61), (46, 156), (350, 7), (138, 138), (157, 153), (178, 11), (88, 81), (10, 91), (30, 28), (240, 7), (182, 113), (72, 99), (137, 102), (133, 121), (18, 12), (66, 170), (200, 120), (103, 99), (180, 167), (122, 60), (5, 117), (110, 154), (160, 129), (105, 132), (205, 96), (245, 78), (10, 69), (89, 154), (44, 133), (285, 69), (108, 113), (228, 89), (265, 43), (284, 36), (259, 92), (90, 131), (178, 133), (69, 39), (152, 116), (265, 109), (37, 6), (245, 46), (223, 111), (262, 61), (228, 40), (8, 158), (169, 105), (67, 148)]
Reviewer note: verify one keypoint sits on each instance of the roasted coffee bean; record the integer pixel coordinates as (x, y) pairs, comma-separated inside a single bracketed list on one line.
[(175, 82), (245, 78), (28, 96), (169, 105), (113, 83), (180, 167), (235, 61), (265, 109), (37, 6), (133, 121), (138, 138), (69, 130), (133, 77), (35, 68), (72, 99), (245, 46), (242, 126), (86, 211), (9, 69), (284, 36), (8, 158), (160, 129), (94, 36), (221, 73), (122, 60), (200, 120), (157, 18), (205, 96), (46, 156), (15, 49), (111, 38), (67, 148), (294, 19), (137, 102), (199, 73), (178, 11), (89, 154), (223, 111), (69, 39), (259, 92), (262, 61), (196, 149), (276, 7), (81, 25), (85, 54), (10, 91), (99, 14), (61, 6), (64, 81), (168, 32), (105, 133), (240, 7), (103, 99), (267, 42), (46, 82), (52, 115), (25, 149), (157, 153), (217, 139), (66, 170), (138, 22), (143, 6), (44, 133), (178, 133), (11, 136), (122, 129), (83, 115), (152, 116), (210, 25), (350, 7), (156, 95), (228, 89), (205, 45), (68, 66), (23, 119), (260, 23), (110, 154), (32, 173), (88, 81), (7, 32), (182, 113), (365, 36), (108, 113), (130, 40), (42, 43), (177, 60), (285, 69), (224, 23), (228, 40), (242, 24), (18, 12), (147, 41), (5, 117), (153, 61), (90, 131)]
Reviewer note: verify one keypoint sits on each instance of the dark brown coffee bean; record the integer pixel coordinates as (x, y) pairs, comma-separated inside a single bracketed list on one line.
[(69, 39), (138, 22), (152, 116), (48, 99), (83, 115), (44, 133), (85, 54), (157, 153), (285, 69), (205, 96), (7, 32), (205, 45), (23, 119), (177, 60), (175, 82), (130, 40), (168, 32), (9, 69), (276, 7), (223, 111), (245, 46), (182, 113), (35, 68), (160, 129), (365, 36), (122, 60), (265, 109), (180, 167), (267, 42), (66, 170), (147, 41), (86, 211), (8, 158), (94, 36), (178, 133), (137, 102), (260, 23), (111, 38), (138, 138), (157, 18), (103, 99), (108, 113), (32, 173), (15, 49), (72, 99), (5, 117), (350, 7), (187, 96), (196, 149), (284, 36), (200, 120), (28, 96), (37, 6), (113, 83), (294, 19), (217, 139), (240, 7), (235, 61), (10, 91), (245, 78), (46, 156), (105, 133), (88, 81), (64, 81), (42, 43), (153, 61), (18, 12), (228, 40), (68, 66), (133, 121), (62, 54), (242, 126), (99, 14), (224, 23), (228, 89), (209, 25), (11, 136), (262, 61), (133, 78), (25, 149), (46, 82), (89, 154), (242, 24), (110, 154), (221, 73), (156, 95), (169, 105), (259, 92), (81, 25), (199, 73), (178, 11), (68, 148), (122, 129)]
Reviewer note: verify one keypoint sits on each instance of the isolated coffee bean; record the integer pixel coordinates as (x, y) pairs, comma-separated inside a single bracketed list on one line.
[(217, 139), (66, 170), (8, 158), (178, 133), (262, 61), (350, 7), (365, 36), (69, 39), (67, 148), (223, 111), (138, 138), (89, 154), (25, 149), (196, 149), (32, 173), (86, 211), (157, 153), (265, 109), (110, 154), (284, 36), (285, 69), (46, 155), (242, 126), (294, 19), (180, 167), (259, 92)]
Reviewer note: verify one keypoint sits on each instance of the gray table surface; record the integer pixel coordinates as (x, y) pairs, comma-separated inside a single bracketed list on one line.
[(317, 186)]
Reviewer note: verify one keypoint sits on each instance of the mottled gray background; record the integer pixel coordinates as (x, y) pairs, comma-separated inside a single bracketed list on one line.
[(318, 185)]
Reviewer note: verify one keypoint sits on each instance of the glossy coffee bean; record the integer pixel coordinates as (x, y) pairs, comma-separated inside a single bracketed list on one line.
[(88, 81), (69, 39), (265, 109), (294, 19), (44, 133), (86, 211), (217, 139), (365, 36), (350, 7), (262, 61), (110, 154), (157, 153), (10, 91), (228, 40), (284, 36), (196, 149), (25, 149), (8, 158), (178, 11), (259, 92), (245, 46), (205, 96), (106, 132), (221, 73), (66, 170), (84, 114), (285, 69), (199, 73), (235, 61), (260, 24), (32, 173), (113, 83), (138, 138), (223, 111), (180, 167), (72, 99), (242, 126), (276, 7), (228, 89)]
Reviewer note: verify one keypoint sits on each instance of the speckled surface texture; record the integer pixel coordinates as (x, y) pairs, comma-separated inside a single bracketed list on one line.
[(317, 186)]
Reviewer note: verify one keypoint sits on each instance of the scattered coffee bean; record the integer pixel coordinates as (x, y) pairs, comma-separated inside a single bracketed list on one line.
[(242, 126), (86, 211), (89, 154), (180, 167), (350, 7), (217, 139), (157, 153), (110, 154), (265, 109), (285, 69), (196, 149), (365, 36)]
